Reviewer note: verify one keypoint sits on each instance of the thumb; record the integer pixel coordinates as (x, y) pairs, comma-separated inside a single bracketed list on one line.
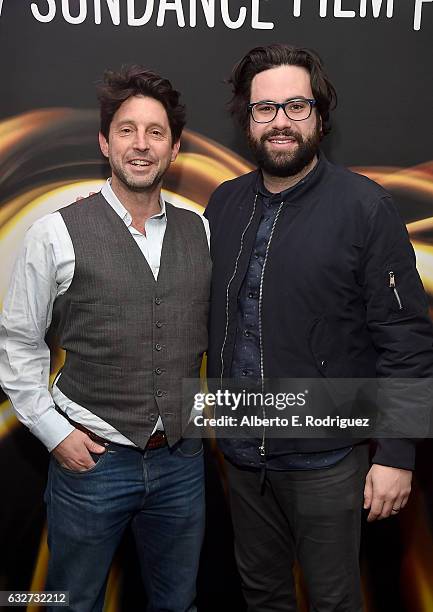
[(368, 492), (94, 447)]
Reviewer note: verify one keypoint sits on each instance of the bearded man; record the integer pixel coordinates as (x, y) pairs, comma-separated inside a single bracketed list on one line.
[(313, 276)]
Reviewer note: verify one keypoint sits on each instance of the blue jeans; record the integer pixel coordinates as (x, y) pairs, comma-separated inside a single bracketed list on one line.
[(160, 492)]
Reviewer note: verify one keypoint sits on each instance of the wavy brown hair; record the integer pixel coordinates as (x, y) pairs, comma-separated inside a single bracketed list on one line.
[(263, 58), (136, 80)]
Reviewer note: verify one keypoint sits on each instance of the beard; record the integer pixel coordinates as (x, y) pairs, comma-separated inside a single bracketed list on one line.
[(136, 184), (285, 163)]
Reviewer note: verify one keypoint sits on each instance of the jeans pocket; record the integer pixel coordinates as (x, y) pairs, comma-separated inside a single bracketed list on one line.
[(98, 458), (189, 448)]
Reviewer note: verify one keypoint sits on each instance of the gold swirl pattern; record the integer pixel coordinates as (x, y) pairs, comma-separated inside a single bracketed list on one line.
[(49, 157)]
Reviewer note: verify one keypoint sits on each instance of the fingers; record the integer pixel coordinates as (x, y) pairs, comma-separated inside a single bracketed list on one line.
[(376, 509), (93, 446), (78, 198), (404, 502), (381, 509), (386, 491), (387, 509), (399, 504), (368, 492), (76, 463), (73, 453)]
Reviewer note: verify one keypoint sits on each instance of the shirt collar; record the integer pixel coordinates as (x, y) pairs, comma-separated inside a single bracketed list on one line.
[(108, 193)]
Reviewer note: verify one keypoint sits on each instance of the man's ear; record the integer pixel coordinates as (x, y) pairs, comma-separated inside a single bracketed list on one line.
[(175, 150), (103, 143)]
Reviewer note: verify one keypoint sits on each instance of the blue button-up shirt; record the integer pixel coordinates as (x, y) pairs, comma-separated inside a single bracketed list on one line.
[(246, 355)]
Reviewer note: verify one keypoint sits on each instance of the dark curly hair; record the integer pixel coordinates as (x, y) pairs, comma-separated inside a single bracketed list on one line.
[(136, 80), (263, 58)]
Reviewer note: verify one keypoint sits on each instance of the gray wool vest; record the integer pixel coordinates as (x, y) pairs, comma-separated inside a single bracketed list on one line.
[(130, 340)]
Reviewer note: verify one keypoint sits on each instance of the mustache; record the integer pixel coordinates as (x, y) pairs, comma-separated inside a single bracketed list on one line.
[(285, 132)]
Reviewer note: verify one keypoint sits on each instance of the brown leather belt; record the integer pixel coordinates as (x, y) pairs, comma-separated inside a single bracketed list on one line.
[(92, 436), (156, 440)]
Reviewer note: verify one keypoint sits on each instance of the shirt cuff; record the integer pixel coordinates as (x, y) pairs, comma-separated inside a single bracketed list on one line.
[(52, 428)]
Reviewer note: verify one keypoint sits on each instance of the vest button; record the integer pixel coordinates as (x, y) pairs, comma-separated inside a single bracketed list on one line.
[(158, 347), (158, 324), (158, 301), (159, 393), (152, 417), (324, 363), (158, 371)]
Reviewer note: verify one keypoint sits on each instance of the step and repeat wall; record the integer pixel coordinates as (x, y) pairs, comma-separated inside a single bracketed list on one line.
[(52, 54)]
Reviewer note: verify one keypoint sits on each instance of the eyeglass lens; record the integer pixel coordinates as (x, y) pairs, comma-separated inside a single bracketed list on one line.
[(294, 109)]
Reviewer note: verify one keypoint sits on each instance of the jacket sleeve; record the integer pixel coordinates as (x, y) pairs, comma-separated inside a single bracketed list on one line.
[(211, 211), (399, 324)]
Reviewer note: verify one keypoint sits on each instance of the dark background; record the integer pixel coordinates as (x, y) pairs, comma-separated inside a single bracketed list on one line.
[(382, 71), (381, 68)]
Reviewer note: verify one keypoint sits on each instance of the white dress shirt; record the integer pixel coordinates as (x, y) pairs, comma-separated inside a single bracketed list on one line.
[(43, 271)]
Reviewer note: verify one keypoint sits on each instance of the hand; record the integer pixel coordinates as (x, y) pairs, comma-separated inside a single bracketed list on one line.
[(82, 197), (386, 491), (73, 452)]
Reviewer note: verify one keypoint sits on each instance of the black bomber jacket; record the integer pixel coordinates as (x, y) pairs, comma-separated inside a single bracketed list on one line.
[(329, 308)]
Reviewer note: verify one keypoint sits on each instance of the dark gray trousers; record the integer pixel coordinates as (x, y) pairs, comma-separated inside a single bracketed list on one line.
[(313, 516)]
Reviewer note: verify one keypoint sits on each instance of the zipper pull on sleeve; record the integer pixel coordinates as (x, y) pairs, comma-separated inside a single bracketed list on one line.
[(392, 286)]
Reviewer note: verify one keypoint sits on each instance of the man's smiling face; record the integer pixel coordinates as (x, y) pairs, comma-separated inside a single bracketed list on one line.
[(139, 147), (283, 147)]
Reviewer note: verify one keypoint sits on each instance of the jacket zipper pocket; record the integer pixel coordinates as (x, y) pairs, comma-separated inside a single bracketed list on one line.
[(394, 288)]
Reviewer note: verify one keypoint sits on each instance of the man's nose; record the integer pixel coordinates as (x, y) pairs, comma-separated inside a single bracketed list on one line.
[(141, 141), (281, 120)]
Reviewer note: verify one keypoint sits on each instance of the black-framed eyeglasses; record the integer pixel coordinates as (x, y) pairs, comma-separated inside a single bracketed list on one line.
[(297, 109)]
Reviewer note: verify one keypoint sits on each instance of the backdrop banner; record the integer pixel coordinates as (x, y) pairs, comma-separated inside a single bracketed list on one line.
[(53, 53)]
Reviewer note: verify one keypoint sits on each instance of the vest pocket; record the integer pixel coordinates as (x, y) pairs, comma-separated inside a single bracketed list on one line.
[(95, 328), (85, 311)]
